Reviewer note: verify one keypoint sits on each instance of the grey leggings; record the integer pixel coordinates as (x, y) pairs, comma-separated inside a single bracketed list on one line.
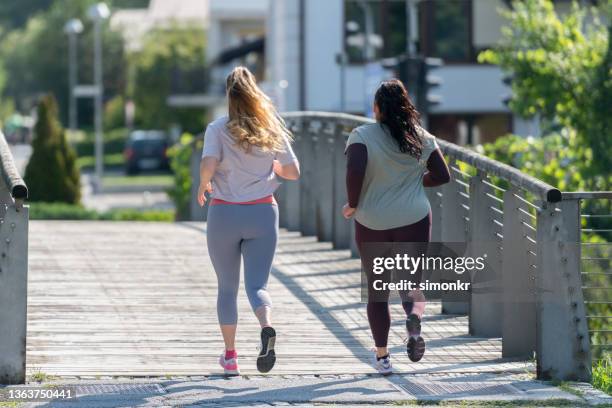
[(250, 231)]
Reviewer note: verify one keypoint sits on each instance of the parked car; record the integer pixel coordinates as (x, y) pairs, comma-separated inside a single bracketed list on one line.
[(146, 150)]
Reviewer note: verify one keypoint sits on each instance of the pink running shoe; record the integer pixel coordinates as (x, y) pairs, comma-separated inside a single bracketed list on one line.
[(230, 365)]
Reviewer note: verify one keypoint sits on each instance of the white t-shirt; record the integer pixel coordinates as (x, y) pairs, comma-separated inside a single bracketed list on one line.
[(241, 176)]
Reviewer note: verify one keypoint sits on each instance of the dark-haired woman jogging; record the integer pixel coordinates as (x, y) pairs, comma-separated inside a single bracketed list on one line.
[(388, 165), (243, 154)]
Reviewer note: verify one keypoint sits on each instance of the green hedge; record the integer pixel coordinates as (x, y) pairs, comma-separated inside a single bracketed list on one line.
[(61, 211), (110, 160), (114, 142)]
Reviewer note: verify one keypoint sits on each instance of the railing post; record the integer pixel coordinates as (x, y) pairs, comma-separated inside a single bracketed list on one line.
[(342, 228), (324, 182), (485, 306), (518, 283), (13, 294), (452, 230), (308, 205), (563, 350)]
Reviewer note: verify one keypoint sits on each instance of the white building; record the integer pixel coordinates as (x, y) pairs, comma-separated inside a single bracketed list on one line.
[(293, 47), (134, 23), (305, 39), (236, 35)]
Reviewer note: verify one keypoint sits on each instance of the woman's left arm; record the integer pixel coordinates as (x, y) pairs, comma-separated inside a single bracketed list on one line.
[(437, 170), (208, 166)]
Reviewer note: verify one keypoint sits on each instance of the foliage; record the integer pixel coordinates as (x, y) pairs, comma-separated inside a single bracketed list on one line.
[(562, 73), (35, 57), (114, 113), (51, 173), (180, 162), (114, 142), (602, 375), (138, 215), (166, 54), (551, 158), (15, 13), (150, 180), (62, 211)]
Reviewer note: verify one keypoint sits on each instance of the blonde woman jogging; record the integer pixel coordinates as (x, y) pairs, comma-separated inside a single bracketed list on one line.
[(244, 154), (388, 165)]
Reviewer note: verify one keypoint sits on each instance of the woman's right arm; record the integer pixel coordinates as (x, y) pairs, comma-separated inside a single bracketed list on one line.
[(437, 170), (356, 163), (211, 156), (208, 166)]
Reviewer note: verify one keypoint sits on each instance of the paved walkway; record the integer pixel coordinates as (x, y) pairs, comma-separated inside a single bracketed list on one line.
[(348, 390), (129, 299)]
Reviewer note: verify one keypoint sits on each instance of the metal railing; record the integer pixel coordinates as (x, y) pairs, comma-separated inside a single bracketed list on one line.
[(532, 228), (13, 269), (596, 276)]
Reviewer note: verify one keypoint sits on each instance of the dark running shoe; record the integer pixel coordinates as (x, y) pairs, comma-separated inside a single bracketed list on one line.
[(267, 357), (415, 345)]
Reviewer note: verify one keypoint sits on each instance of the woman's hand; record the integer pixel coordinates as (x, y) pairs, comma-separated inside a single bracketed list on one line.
[(348, 212), (201, 193)]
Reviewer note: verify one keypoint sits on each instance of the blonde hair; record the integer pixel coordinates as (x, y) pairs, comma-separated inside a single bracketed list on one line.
[(253, 119)]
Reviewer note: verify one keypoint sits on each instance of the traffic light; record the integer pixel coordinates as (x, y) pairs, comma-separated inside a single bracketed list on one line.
[(428, 82), (507, 97), (416, 73), (407, 70)]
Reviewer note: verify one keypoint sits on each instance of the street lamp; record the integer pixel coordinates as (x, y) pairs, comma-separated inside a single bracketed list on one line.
[(72, 28), (98, 13)]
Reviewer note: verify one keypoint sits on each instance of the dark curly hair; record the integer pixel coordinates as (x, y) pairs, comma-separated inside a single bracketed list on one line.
[(401, 117)]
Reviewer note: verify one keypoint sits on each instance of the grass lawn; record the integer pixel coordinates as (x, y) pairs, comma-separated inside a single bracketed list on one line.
[(114, 160), (163, 180)]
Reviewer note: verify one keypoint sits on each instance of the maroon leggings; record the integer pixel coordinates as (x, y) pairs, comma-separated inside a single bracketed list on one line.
[(378, 312)]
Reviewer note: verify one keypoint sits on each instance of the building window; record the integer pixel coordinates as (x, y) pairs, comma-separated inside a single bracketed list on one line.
[(385, 20), (445, 29)]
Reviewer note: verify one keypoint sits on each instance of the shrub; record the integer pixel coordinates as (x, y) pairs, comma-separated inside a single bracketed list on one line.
[(63, 211), (114, 113), (114, 142), (602, 375), (60, 211), (180, 162), (137, 215), (52, 174)]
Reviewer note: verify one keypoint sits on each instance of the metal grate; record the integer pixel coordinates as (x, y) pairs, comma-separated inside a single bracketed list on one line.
[(451, 390), (119, 389)]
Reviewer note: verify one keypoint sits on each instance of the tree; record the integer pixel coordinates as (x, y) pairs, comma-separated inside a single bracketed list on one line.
[(35, 58), (169, 58), (562, 72), (52, 174), (15, 13)]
